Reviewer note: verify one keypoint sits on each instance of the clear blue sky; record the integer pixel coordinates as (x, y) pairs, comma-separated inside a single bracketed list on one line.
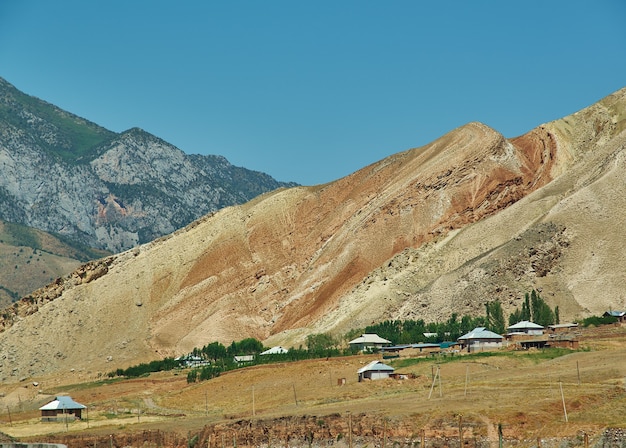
[(312, 91)]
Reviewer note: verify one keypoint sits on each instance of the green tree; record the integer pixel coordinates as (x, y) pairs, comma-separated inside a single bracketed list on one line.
[(249, 346), (557, 315), (541, 312), (214, 351), (525, 315), (389, 329), (318, 343), (495, 316), (515, 317)]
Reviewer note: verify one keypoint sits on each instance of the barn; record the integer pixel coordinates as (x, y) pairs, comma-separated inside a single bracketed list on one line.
[(375, 370), (60, 408)]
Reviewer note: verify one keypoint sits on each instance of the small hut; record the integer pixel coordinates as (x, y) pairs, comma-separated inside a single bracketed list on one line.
[(61, 407), (375, 370)]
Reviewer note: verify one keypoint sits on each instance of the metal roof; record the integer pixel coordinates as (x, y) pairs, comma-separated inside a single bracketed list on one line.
[(275, 351), (369, 338), (480, 333), (376, 366), (525, 324), (62, 402)]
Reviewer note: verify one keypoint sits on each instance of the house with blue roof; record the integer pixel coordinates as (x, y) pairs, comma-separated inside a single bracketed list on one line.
[(62, 407)]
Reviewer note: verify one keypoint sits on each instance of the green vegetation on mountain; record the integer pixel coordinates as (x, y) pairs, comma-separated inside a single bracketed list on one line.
[(62, 134), (30, 258)]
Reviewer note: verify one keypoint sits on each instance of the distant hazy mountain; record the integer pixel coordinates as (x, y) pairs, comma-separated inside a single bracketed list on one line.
[(63, 174)]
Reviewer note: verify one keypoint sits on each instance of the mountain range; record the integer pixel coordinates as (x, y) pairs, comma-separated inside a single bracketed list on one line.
[(470, 218), (95, 188)]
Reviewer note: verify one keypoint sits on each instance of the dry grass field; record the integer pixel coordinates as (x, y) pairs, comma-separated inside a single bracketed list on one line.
[(518, 391)]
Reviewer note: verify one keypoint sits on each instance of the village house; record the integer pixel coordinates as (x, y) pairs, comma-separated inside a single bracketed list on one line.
[(409, 350), (368, 341), (563, 328), (619, 315), (375, 370), (243, 359), (480, 339), (62, 407), (192, 361), (278, 350), (526, 328)]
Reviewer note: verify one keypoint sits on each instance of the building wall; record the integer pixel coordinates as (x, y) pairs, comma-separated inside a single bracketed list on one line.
[(480, 346)]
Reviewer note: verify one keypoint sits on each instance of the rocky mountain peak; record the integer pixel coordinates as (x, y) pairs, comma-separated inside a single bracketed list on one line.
[(63, 174)]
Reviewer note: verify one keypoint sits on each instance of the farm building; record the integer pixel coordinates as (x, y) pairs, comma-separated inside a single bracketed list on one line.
[(60, 408), (275, 351), (375, 370), (526, 327), (551, 342), (620, 315), (409, 350), (368, 341), (243, 359), (480, 339), (563, 328)]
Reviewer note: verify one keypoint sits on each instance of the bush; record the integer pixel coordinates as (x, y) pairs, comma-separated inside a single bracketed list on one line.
[(598, 320)]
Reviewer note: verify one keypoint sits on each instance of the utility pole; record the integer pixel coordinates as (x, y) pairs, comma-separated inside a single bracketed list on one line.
[(563, 400)]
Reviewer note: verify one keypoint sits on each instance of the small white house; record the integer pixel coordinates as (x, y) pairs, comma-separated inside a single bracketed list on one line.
[(375, 370), (275, 351), (480, 339), (368, 341), (526, 327), (244, 359)]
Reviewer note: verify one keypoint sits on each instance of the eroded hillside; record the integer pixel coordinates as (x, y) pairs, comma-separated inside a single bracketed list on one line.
[(469, 218)]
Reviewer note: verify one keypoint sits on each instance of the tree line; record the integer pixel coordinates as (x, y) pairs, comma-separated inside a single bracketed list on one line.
[(215, 358)]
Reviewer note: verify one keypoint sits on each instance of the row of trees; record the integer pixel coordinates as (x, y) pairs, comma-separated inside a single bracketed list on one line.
[(412, 331), (217, 358), (220, 354), (534, 309)]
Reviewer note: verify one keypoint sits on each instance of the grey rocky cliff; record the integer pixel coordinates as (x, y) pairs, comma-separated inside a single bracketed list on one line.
[(63, 174)]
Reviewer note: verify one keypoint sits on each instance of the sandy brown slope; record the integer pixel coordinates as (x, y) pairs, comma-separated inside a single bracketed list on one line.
[(468, 218)]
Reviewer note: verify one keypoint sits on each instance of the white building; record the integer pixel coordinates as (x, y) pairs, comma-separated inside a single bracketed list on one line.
[(480, 339), (375, 370), (275, 351), (526, 327), (368, 341)]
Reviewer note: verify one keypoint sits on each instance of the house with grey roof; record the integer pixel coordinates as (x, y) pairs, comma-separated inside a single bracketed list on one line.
[(62, 407), (368, 341), (526, 328), (480, 339), (375, 370)]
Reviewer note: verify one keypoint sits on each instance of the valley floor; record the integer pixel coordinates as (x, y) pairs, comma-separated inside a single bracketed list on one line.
[(531, 398)]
